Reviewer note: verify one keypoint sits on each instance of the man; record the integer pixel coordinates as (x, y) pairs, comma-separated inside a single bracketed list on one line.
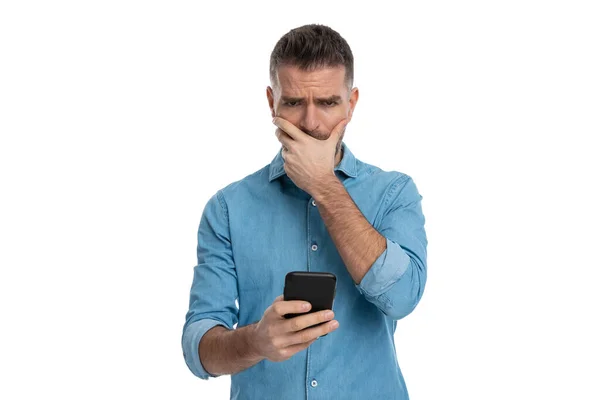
[(315, 207)]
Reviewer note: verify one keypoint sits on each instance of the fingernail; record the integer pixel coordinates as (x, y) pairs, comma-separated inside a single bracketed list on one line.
[(329, 314), (334, 324), (306, 306)]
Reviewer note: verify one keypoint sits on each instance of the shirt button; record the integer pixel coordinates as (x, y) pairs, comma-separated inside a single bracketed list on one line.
[(313, 203), (314, 247), (313, 383)]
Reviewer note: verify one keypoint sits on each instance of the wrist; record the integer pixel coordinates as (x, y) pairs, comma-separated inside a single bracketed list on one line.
[(325, 187), (252, 342)]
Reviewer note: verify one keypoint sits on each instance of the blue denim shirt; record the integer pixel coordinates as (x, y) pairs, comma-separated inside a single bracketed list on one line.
[(256, 230)]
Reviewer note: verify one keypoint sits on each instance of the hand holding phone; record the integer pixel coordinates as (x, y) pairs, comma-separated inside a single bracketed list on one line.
[(316, 288), (277, 338)]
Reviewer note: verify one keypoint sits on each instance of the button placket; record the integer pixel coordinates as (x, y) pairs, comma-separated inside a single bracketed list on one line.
[(313, 239)]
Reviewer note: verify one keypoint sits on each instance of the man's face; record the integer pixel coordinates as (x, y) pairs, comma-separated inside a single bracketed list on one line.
[(315, 102)]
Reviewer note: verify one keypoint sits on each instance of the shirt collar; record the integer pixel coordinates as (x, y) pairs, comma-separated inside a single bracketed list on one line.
[(347, 165)]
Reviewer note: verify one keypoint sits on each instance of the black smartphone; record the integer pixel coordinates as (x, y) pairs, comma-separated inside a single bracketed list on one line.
[(317, 288)]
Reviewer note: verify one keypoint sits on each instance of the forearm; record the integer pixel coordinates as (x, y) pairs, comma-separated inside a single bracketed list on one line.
[(357, 242), (388, 264), (227, 352)]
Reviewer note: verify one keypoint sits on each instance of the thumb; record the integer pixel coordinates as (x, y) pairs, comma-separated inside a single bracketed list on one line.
[(337, 131)]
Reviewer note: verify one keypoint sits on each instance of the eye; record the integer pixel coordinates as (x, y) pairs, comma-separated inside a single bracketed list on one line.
[(289, 103), (330, 103)]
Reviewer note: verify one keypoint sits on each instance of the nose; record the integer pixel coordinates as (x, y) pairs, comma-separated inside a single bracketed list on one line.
[(309, 122)]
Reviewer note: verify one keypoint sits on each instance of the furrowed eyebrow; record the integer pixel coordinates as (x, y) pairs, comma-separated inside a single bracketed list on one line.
[(323, 99)]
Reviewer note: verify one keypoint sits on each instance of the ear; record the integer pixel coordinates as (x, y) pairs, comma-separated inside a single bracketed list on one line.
[(271, 100), (353, 100)]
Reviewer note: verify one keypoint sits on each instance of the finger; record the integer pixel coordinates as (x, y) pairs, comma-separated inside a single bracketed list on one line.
[(338, 130), (289, 128), (280, 133), (278, 298), (309, 334), (283, 138), (293, 349), (304, 321), (290, 307)]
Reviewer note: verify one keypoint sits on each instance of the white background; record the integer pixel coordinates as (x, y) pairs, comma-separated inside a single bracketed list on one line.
[(119, 119)]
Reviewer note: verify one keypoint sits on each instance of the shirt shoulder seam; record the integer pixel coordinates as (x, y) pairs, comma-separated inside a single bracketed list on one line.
[(393, 187), (222, 203)]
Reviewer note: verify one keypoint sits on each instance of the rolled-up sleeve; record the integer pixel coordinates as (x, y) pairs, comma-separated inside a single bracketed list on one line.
[(396, 280), (214, 286)]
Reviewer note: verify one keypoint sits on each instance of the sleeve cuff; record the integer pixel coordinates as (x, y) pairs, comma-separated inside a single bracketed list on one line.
[(385, 271), (190, 342)]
